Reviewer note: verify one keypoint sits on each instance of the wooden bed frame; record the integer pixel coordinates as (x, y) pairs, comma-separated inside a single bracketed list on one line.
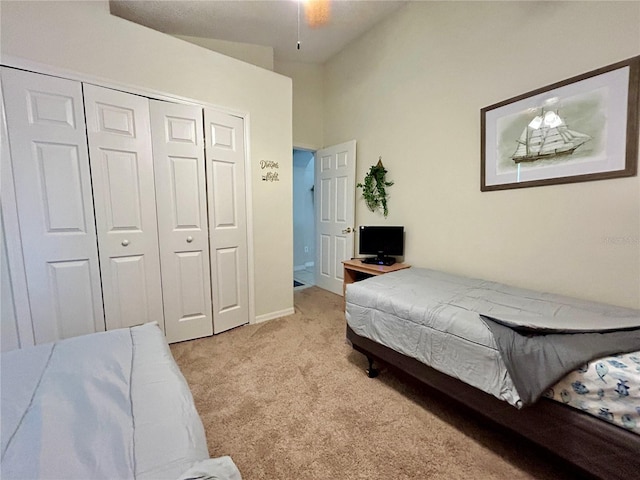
[(590, 444)]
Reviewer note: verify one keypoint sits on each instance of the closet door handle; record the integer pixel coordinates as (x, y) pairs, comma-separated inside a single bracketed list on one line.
[(189, 239), (125, 243)]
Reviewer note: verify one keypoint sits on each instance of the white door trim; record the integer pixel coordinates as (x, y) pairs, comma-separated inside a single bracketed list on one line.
[(249, 198), (11, 235)]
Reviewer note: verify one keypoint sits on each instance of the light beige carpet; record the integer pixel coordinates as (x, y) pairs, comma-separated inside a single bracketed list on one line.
[(289, 399)]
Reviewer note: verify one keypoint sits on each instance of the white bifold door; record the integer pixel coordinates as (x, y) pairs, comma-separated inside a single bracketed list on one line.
[(178, 157), (227, 219), (50, 165), (147, 159), (121, 160), (124, 215)]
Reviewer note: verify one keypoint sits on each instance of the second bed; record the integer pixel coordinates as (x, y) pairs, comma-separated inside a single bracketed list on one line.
[(452, 325)]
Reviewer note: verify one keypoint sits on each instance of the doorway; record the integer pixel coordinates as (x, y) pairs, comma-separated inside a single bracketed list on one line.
[(304, 249)]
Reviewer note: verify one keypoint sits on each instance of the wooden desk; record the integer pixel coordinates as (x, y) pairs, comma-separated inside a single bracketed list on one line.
[(355, 270)]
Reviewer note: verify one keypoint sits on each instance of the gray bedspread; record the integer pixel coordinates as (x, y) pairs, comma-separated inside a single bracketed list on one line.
[(435, 317), (536, 361)]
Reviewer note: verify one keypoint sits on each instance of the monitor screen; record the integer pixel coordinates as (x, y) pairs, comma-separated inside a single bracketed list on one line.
[(381, 241)]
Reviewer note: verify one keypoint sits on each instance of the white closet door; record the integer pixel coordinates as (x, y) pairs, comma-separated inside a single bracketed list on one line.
[(123, 188), (48, 145), (178, 157), (227, 219)]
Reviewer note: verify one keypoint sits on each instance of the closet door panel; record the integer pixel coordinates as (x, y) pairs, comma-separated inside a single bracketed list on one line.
[(178, 151), (129, 285), (228, 269), (227, 219), (50, 166), (122, 171), (70, 282), (123, 202)]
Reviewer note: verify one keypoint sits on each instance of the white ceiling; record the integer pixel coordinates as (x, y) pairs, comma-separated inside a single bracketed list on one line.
[(272, 23)]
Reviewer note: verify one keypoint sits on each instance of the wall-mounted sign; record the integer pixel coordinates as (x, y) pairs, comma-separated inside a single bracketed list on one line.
[(269, 176)]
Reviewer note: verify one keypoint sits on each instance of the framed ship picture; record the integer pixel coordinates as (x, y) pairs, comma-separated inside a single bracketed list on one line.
[(583, 128)]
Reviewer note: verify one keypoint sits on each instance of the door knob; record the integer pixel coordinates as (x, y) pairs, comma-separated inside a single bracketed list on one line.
[(347, 230), (189, 239), (125, 243)]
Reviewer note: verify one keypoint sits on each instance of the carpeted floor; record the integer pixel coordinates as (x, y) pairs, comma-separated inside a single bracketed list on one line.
[(289, 399)]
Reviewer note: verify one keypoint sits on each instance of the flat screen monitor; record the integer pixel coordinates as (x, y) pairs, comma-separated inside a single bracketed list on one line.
[(382, 241)]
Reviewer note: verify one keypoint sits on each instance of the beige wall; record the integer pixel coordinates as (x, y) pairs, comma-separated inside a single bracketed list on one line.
[(307, 102), (83, 37), (247, 52), (411, 90), (306, 79)]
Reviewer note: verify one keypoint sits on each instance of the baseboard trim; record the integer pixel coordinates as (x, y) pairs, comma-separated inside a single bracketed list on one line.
[(274, 315), (303, 267)]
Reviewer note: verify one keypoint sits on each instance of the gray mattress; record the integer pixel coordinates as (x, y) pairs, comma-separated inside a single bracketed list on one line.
[(434, 317)]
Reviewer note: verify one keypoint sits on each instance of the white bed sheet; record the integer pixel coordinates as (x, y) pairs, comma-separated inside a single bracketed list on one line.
[(106, 405)]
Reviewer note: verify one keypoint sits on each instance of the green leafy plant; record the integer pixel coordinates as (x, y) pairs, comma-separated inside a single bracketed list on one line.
[(374, 188)]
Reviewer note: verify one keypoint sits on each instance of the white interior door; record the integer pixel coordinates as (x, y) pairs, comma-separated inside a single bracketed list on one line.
[(50, 165), (335, 215), (178, 157), (125, 203), (225, 153)]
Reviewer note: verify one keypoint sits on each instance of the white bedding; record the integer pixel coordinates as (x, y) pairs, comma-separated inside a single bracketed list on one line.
[(106, 405)]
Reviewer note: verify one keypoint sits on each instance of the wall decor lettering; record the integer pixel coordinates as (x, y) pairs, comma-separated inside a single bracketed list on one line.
[(270, 165)]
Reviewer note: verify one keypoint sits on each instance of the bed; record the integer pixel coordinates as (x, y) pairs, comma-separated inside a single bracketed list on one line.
[(107, 405), (446, 331)]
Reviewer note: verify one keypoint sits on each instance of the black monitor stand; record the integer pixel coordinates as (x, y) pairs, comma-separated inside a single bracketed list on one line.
[(379, 260)]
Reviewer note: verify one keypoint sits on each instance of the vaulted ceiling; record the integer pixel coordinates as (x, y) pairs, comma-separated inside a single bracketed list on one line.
[(274, 23)]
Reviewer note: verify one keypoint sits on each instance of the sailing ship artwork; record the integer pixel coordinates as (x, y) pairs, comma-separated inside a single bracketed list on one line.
[(552, 131), (576, 130), (547, 136)]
